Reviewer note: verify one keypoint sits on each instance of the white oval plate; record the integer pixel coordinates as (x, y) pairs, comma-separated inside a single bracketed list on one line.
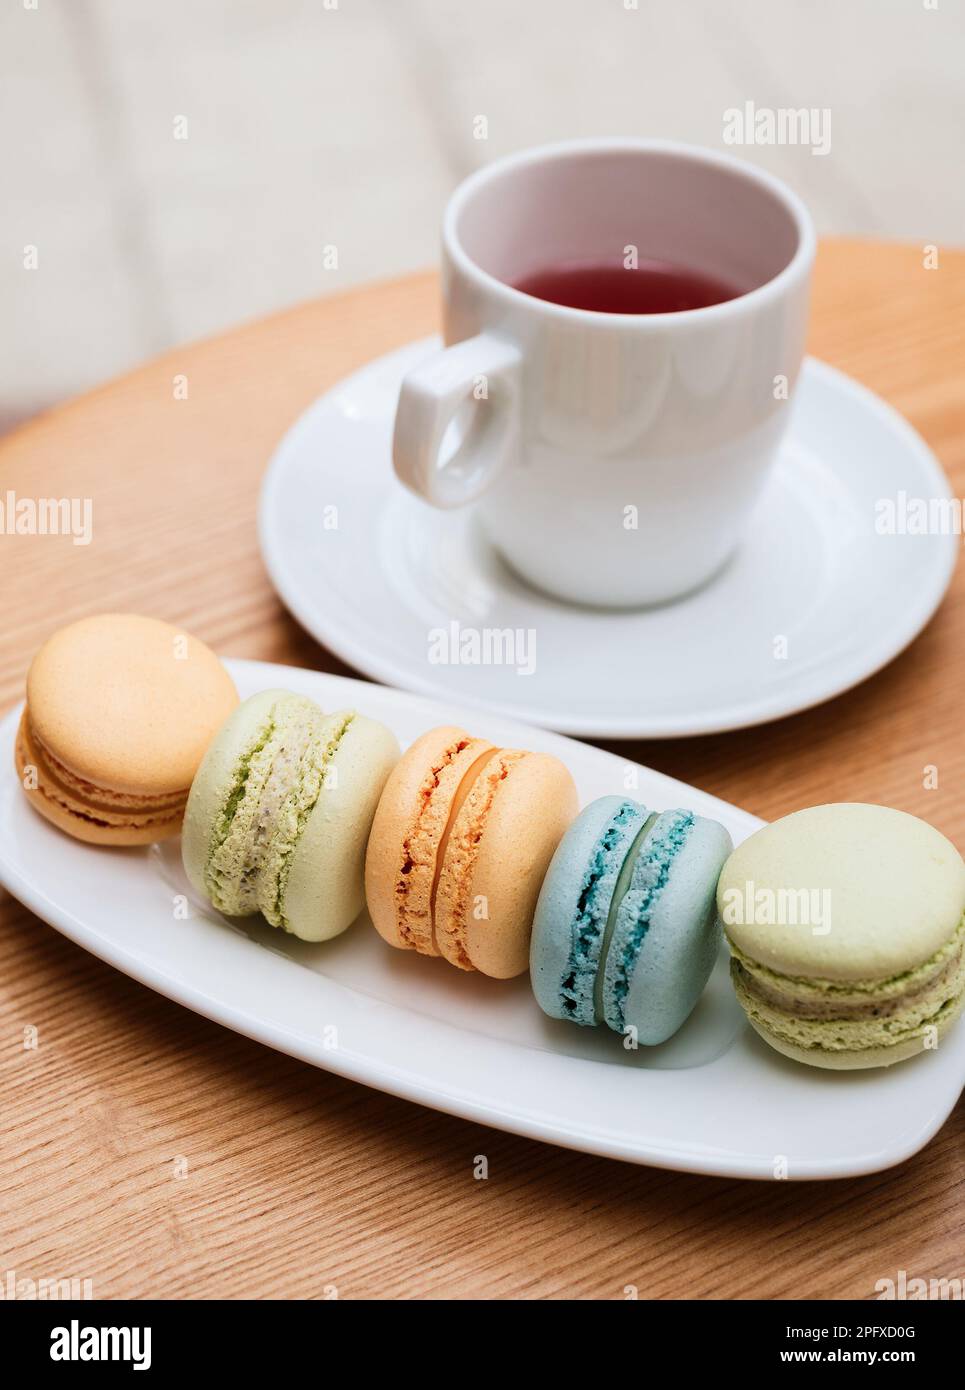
[(814, 601), (715, 1099)]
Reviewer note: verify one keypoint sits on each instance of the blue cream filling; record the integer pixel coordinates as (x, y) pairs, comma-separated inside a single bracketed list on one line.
[(592, 912), (650, 875)]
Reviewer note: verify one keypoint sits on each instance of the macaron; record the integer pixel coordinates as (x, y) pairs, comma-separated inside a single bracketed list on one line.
[(847, 928), (626, 929), (280, 811), (459, 846), (119, 712)]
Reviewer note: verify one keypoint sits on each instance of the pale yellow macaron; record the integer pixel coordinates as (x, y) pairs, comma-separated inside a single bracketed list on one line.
[(120, 710), (461, 839), (847, 928)]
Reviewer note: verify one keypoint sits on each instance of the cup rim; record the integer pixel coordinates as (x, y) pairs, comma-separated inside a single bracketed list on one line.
[(796, 268)]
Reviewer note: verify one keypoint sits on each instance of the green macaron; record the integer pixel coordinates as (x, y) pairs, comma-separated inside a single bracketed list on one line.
[(280, 810), (847, 931)]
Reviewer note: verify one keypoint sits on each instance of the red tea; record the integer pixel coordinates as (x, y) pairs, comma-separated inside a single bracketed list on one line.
[(609, 287)]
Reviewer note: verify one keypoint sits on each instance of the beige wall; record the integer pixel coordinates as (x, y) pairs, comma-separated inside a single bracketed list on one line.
[(309, 126)]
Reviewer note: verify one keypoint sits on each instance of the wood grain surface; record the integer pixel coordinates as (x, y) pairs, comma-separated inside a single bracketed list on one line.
[(297, 1182)]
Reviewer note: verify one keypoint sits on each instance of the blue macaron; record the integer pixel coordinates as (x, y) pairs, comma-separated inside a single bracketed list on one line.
[(626, 930)]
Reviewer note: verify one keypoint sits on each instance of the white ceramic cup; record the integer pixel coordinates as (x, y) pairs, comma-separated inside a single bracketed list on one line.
[(614, 458)]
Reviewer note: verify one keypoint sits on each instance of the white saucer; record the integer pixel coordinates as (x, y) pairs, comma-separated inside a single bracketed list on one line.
[(815, 600), (714, 1099)]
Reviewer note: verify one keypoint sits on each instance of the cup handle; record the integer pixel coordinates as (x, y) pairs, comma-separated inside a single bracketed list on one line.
[(473, 384)]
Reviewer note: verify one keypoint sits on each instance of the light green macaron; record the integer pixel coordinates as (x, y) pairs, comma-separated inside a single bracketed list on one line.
[(280, 811), (847, 930)]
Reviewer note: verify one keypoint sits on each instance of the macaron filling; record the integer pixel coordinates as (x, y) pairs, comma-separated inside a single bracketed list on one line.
[(278, 781), (849, 1016), (263, 780), (595, 911), (93, 791), (309, 780), (652, 858), (466, 784), (422, 845), (86, 800), (454, 886)]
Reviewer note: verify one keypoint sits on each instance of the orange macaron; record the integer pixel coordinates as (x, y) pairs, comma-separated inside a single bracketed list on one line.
[(462, 837), (120, 710)]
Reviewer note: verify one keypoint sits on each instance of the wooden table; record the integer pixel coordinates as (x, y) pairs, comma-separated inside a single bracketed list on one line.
[(295, 1179)]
